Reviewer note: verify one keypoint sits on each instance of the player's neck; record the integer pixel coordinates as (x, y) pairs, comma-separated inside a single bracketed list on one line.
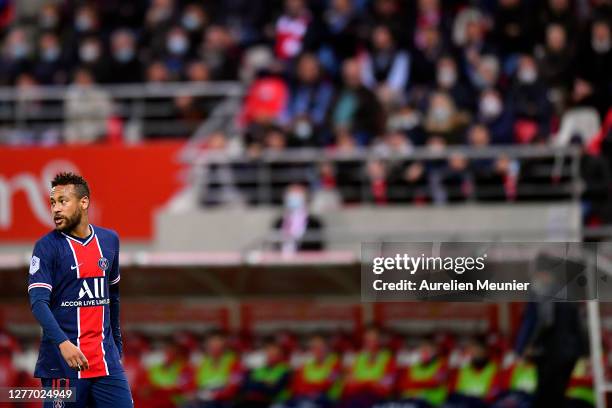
[(82, 230)]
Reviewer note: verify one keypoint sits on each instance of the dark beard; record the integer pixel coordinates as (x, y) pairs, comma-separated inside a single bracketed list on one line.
[(71, 223)]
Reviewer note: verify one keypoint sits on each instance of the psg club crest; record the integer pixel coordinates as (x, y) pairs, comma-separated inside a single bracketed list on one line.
[(103, 264)]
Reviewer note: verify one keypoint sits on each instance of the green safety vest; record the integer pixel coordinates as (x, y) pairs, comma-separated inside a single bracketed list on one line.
[(524, 378), (271, 375), (581, 392), (165, 376), (434, 396), (364, 370), (476, 383), (215, 374), (315, 373)]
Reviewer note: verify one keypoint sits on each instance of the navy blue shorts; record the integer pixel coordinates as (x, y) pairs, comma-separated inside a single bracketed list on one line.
[(111, 391)]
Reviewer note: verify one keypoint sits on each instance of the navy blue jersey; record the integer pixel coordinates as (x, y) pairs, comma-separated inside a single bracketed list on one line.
[(78, 275)]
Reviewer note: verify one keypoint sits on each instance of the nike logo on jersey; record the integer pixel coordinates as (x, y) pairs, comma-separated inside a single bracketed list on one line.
[(73, 267)]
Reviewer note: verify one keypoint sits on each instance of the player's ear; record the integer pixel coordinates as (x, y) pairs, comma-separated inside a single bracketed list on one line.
[(85, 202)]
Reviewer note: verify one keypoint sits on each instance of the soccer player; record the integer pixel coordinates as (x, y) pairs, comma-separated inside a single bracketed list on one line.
[(74, 295)]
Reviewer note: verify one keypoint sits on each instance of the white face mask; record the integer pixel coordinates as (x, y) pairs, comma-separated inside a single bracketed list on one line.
[(490, 106), (527, 75), (89, 52), (601, 47), (447, 77), (441, 114)]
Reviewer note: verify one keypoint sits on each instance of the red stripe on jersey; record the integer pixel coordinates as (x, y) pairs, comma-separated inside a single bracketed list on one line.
[(90, 318), (90, 340)]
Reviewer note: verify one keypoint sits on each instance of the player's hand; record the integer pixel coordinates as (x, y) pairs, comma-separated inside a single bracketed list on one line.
[(73, 356)]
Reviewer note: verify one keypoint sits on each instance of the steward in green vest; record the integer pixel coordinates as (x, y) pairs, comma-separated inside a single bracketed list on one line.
[(519, 384), (371, 376), (476, 383), (316, 382), (580, 389), (218, 374), (171, 378), (424, 384), (269, 383)]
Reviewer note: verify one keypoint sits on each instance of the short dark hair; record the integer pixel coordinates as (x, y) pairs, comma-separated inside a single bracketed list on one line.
[(65, 178)]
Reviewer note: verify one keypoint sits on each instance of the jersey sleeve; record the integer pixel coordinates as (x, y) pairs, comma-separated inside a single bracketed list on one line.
[(41, 267), (115, 274)]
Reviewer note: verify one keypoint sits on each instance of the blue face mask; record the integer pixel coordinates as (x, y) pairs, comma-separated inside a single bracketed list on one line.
[(50, 54), (294, 201), (191, 22), (177, 45), (124, 54), (19, 51)]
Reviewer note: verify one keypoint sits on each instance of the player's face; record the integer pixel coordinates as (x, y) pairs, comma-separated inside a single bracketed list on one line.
[(66, 207)]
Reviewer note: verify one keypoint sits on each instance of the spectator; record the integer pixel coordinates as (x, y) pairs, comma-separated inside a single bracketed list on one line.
[(529, 97), (484, 73), (86, 21), (389, 13), (178, 50), (386, 68), (158, 21), (87, 109), (51, 67), (429, 19), (555, 63), (125, 63), (356, 109), (157, 73), (189, 112), (378, 187), (343, 33), (453, 181), (411, 184), (449, 81), (497, 116), (291, 29), (92, 57), (219, 53), (297, 229), (514, 29), (197, 71), (596, 64), (265, 101), (309, 102), (558, 12), (49, 18), (443, 118), (16, 56), (427, 56), (194, 20)]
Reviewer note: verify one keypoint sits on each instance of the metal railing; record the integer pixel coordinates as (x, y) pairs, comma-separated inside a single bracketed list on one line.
[(147, 109), (543, 172)]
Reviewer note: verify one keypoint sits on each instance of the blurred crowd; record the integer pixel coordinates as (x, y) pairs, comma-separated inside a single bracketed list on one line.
[(341, 72), (345, 75), (364, 369)]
